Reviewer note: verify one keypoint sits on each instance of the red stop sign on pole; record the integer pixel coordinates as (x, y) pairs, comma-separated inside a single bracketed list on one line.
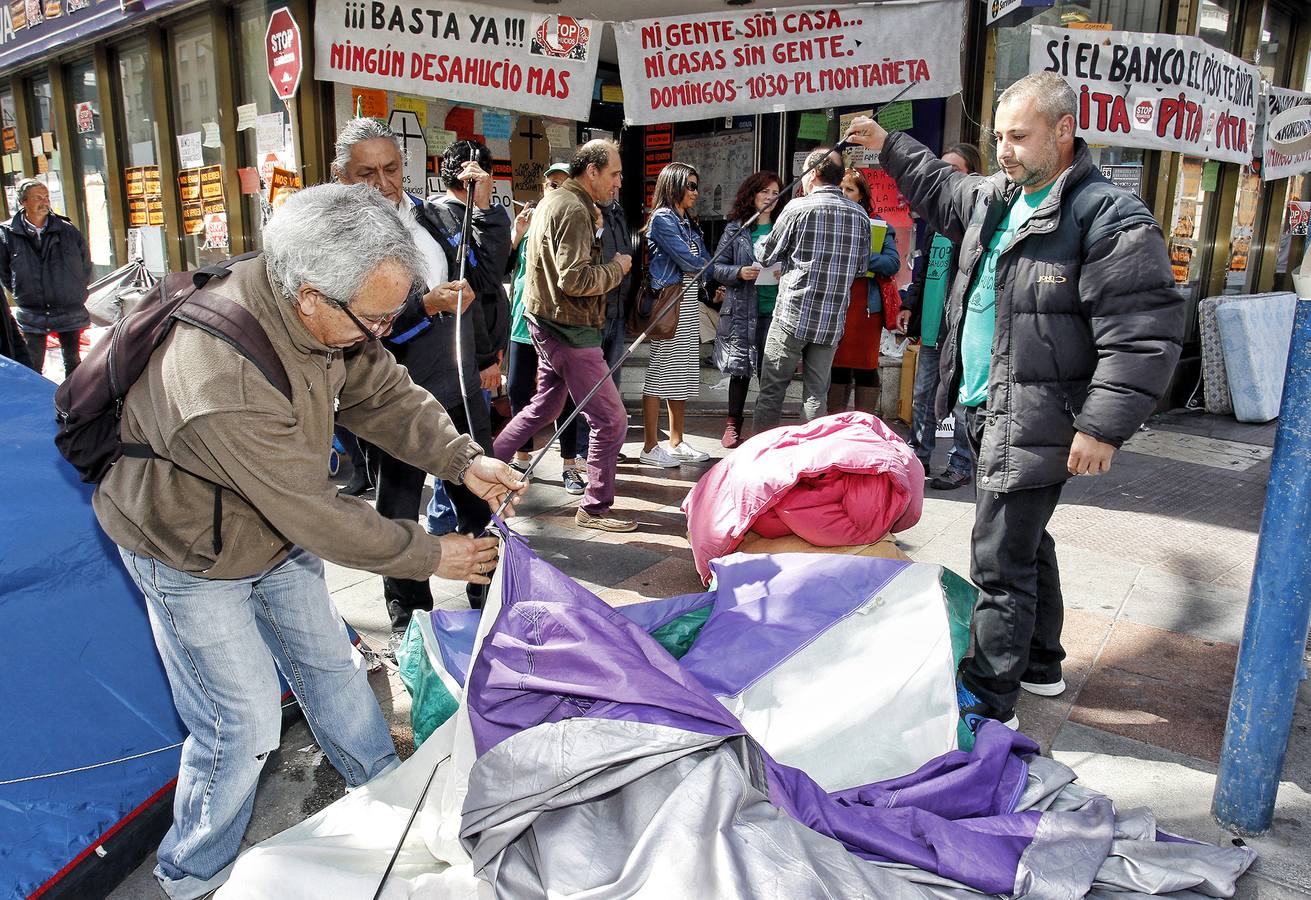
[(282, 46)]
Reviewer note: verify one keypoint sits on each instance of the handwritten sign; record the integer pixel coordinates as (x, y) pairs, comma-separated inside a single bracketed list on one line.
[(504, 59), (1288, 122), (723, 63), (1155, 91)]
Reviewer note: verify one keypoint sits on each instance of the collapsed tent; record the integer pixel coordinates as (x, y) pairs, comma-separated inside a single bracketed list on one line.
[(92, 740), (585, 760), (835, 481)]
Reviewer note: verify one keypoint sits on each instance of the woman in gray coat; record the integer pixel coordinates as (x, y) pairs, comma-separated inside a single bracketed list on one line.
[(748, 304)]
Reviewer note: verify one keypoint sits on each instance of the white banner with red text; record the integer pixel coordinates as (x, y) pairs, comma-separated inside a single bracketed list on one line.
[(1154, 91), (721, 64), (502, 58), (1286, 142)]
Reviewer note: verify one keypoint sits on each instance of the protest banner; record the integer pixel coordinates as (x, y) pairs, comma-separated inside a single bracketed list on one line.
[(718, 64), (1283, 128), (505, 59), (1154, 91)]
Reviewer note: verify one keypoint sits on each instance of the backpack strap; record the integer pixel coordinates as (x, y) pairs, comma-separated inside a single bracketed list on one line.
[(232, 323)]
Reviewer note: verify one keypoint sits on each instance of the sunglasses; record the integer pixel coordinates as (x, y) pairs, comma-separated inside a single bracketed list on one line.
[(694, 186)]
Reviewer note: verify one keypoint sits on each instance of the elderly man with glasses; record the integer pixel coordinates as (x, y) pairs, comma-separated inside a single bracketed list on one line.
[(423, 334), (232, 602)]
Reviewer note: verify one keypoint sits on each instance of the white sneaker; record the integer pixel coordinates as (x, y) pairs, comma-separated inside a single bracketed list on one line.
[(687, 453), (659, 456)]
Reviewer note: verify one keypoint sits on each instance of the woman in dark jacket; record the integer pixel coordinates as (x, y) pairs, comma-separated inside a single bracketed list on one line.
[(926, 296), (748, 305), (46, 267)]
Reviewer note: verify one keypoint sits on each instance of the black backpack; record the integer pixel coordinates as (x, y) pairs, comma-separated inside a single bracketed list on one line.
[(89, 403)]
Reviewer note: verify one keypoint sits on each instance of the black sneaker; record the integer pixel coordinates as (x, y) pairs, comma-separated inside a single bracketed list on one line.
[(949, 481), (973, 710), (359, 483)]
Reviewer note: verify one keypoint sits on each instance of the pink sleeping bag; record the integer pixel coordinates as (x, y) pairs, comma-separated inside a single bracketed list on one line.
[(839, 480)]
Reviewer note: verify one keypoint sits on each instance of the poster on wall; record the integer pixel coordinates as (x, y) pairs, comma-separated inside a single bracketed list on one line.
[(718, 64), (86, 117), (1154, 91), (18, 14), (529, 157), (466, 52), (888, 204), (722, 161), (1299, 216), (1287, 121)]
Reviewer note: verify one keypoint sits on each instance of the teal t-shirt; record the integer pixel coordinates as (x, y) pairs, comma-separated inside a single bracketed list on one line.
[(981, 306), (518, 326), (937, 277), (766, 294)]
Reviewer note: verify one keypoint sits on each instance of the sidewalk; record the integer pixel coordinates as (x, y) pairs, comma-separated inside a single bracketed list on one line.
[(1156, 560)]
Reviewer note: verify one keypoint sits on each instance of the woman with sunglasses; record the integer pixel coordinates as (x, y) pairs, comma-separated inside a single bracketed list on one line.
[(673, 373)]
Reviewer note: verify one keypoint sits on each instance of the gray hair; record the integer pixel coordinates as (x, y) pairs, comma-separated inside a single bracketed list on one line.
[(26, 185), (1047, 92), (332, 237), (357, 131), (593, 153)]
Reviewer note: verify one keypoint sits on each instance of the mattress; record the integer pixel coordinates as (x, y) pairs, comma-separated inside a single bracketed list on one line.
[(1215, 378), (1254, 336)]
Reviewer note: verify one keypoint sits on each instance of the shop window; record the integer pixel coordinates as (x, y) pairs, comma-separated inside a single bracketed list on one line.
[(142, 185), (1252, 195), (89, 165), (45, 149), (199, 147), (13, 170), (266, 144), (1013, 60), (1192, 224)]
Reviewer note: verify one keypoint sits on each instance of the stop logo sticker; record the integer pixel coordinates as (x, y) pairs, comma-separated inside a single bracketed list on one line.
[(282, 46)]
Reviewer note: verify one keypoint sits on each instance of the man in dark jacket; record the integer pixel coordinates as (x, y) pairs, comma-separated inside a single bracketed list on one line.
[(46, 267), (423, 338), (1063, 329), (489, 254), (12, 345)]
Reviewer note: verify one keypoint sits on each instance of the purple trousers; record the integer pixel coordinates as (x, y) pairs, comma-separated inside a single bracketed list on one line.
[(563, 370)]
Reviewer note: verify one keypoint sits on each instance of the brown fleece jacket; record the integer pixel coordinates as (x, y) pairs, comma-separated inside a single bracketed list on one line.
[(203, 406)]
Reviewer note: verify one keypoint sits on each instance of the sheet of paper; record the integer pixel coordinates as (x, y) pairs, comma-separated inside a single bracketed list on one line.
[(211, 132), (246, 114), (190, 154), (269, 136)]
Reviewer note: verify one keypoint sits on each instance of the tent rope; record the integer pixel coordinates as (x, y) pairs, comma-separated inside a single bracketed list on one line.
[(99, 765)]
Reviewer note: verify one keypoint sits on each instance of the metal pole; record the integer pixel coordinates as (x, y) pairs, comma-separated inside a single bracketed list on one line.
[(1270, 659)]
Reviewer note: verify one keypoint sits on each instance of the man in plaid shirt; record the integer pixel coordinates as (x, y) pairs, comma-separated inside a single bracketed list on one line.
[(822, 239)]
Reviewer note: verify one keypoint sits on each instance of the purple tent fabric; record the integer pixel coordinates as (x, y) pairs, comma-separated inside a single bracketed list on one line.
[(556, 651)]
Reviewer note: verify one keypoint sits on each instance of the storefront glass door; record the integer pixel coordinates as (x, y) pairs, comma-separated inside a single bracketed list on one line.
[(89, 164)]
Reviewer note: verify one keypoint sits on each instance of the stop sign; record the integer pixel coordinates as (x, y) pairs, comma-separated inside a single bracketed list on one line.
[(282, 46)]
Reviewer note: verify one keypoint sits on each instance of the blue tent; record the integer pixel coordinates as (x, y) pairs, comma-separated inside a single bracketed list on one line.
[(91, 743)]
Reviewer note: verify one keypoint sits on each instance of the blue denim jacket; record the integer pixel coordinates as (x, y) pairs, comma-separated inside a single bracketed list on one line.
[(670, 239)]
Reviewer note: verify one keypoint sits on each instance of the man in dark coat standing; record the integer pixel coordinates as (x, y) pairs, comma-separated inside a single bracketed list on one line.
[(1063, 330), (46, 267), (423, 337)]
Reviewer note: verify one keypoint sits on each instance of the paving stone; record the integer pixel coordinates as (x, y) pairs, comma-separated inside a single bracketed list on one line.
[(1201, 615), (1179, 788)]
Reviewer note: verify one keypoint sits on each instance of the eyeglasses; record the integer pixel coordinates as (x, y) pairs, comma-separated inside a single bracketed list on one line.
[(694, 186), (373, 327)]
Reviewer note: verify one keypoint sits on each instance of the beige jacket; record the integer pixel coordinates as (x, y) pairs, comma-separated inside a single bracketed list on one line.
[(201, 404), (566, 281)]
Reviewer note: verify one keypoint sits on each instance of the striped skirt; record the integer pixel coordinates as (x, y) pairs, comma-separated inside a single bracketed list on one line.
[(674, 369)]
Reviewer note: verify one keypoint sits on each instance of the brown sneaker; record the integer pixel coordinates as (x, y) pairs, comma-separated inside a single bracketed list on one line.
[(732, 433), (584, 519)]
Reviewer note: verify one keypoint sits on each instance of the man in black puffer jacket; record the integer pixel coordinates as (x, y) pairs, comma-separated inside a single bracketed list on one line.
[(1063, 329), (46, 267)]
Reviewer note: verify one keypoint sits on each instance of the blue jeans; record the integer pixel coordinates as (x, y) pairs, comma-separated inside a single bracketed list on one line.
[(219, 641), (924, 422)]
